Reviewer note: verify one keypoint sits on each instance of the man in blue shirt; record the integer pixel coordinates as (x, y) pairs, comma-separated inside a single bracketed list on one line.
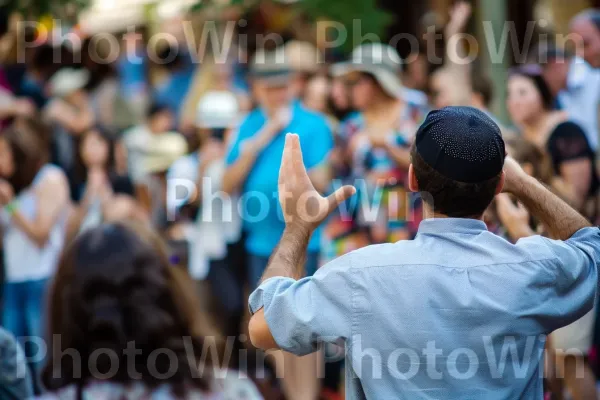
[(253, 162), (456, 313), (576, 86), (586, 27), (254, 157)]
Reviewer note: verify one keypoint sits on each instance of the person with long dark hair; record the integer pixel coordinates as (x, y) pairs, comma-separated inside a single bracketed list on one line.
[(96, 186), (35, 200), (531, 106), (115, 290)]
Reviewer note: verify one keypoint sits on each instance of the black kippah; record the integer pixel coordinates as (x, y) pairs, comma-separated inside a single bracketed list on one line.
[(461, 143)]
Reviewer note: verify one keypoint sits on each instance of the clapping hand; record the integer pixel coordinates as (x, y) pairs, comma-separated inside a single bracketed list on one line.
[(514, 217), (97, 187), (303, 206), (6, 192), (213, 150), (279, 121)]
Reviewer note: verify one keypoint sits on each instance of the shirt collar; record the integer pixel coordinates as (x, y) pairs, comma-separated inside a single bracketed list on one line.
[(451, 225), (578, 74)]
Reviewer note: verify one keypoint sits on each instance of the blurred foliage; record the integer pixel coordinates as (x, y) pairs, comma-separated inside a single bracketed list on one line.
[(372, 18), (347, 12), (36, 8)]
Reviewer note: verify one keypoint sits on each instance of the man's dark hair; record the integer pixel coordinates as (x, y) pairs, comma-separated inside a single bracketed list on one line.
[(592, 15), (481, 84), (545, 53), (169, 57), (595, 18), (449, 197), (156, 108)]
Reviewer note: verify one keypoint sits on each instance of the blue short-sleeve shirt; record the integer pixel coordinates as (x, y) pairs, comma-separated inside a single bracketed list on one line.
[(260, 209)]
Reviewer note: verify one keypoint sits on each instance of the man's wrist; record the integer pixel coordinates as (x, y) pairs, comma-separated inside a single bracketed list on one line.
[(251, 146), (517, 188), (298, 231)]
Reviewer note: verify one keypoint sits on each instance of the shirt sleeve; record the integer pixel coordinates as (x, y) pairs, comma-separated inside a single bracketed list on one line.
[(233, 150), (300, 314), (574, 278), (568, 142)]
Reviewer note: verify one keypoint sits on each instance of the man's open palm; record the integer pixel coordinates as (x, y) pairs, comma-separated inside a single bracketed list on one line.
[(302, 204)]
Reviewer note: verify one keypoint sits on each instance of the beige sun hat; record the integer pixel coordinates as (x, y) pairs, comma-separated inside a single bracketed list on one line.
[(378, 59), (163, 150), (302, 56)]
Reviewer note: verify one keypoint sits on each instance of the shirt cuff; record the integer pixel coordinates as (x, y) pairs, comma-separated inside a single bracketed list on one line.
[(263, 295)]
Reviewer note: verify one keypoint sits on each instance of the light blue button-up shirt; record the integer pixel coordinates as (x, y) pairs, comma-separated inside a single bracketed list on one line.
[(581, 98), (456, 313)]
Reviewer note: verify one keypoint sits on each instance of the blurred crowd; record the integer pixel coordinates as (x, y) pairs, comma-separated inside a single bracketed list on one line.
[(191, 150)]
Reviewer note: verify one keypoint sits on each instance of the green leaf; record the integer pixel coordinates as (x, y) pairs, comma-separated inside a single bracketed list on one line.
[(359, 17)]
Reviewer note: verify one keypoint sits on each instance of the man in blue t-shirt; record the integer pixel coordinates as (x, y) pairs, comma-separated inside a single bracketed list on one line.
[(254, 158), (253, 162)]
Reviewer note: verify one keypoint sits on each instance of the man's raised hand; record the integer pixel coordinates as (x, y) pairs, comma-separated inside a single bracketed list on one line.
[(303, 206)]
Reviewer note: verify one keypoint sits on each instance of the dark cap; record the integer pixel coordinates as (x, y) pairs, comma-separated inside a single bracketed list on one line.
[(271, 67), (461, 143)]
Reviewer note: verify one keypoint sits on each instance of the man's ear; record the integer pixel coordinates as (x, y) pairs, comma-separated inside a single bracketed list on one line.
[(413, 185), (500, 183)]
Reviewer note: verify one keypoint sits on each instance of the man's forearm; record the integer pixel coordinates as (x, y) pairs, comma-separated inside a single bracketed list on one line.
[(561, 219), (289, 255), (237, 173)]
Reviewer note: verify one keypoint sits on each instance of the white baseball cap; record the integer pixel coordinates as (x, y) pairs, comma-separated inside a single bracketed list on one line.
[(68, 80), (217, 109)]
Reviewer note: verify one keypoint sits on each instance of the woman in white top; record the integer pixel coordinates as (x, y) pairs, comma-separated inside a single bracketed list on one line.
[(34, 197)]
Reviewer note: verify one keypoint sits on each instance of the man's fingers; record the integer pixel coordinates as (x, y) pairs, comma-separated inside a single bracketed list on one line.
[(504, 202), (286, 160), (339, 196), (287, 148), (295, 149), (521, 207)]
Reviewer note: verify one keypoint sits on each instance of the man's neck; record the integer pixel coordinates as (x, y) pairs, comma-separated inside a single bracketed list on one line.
[(429, 213), (272, 111)]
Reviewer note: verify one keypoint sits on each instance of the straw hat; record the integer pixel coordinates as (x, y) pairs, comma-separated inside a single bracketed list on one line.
[(302, 56), (163, 150), (378, 59)]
